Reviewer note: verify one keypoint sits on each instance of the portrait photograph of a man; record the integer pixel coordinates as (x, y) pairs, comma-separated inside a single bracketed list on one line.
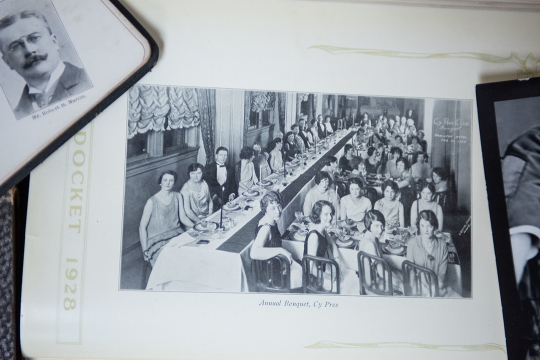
[(40, 66)]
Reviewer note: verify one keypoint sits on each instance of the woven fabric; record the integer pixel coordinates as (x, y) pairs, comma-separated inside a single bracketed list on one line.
[(7, 321)]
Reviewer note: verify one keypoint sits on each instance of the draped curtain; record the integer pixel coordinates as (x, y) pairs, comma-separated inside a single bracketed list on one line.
[(161, 108), (281, 108), (247, 113), (207, 111)]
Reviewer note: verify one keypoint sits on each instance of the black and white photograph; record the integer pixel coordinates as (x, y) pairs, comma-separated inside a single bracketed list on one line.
[(231, 190), (510, 129), (40, 66)]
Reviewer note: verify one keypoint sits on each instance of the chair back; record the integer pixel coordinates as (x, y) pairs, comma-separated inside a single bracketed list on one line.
[(318, 283), (340, 124), (418, 281), (375, 275), (442, 198), (272, 275), (453, 277)]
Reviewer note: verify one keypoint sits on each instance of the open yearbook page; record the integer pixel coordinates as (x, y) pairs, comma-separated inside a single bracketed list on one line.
[(294, 179)]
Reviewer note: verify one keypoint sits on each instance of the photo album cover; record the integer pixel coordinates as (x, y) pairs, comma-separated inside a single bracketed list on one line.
[(294, 179), (63, 62), (509, 127)]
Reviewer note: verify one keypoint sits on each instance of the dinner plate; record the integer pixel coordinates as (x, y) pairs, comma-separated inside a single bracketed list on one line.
[(231, 208), (255, 193), (266, 183), (210, 226), (401, 250)]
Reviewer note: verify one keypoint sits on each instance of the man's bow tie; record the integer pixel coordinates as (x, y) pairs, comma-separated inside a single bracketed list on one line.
[(220, 165)]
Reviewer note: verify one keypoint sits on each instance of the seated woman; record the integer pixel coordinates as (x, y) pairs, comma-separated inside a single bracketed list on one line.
[(314, 130), (374, 223), (328, 125), (372, 163), (344, 161), (162, 218), (355, 205), (391, 168), (290, 148), (420, 169), (260, 162), (319, 243), (359, 138), (321, 191), (427, 202), (407, 187), (422, 142), (196, 194), (267, 242), (276, 156), (330, 165), (358, 170), (415, 145), (246, 176), (440, 179), (389, 206), (427, 250), (398, 142)]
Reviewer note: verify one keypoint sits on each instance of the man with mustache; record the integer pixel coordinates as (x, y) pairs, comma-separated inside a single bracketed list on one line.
[(30, 48)]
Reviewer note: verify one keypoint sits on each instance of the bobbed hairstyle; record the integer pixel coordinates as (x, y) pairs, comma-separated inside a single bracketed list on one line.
[(370, 151), (294, 126), (389, 183), (287, 136), (416, 155), (329, 160), (246, 153), (270, 197), (322, 175), (356, 181), (356, 161), (415, 137), (361, 131), (441, 172), (372, 216), (396, 149), (347, 147), (313, 122), (317, 210), (404, 161), (194, 167), (167, 172), (427, 215), (399, 137), (427, 185)]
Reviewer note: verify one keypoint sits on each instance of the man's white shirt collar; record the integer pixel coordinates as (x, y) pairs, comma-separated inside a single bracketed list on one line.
[(53, 80)]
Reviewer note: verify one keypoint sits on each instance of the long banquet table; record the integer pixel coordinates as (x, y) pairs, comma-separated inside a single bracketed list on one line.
[(223, 265)]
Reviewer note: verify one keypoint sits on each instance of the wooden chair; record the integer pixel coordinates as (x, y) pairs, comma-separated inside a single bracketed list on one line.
[(315, 284), (416, 278), (377, 284), (272, 275)]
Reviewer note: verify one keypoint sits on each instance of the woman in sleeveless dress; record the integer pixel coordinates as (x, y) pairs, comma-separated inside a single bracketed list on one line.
[(196, 194), (267, 242), (162, 218), (389, 206), (319, 243), (427, 202)]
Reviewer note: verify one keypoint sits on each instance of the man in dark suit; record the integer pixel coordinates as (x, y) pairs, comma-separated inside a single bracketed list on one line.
[(221, 179), (321, 127), (30, 48)]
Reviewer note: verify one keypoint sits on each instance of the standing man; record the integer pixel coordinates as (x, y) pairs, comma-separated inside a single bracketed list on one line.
[(221, 179), (30, 48)]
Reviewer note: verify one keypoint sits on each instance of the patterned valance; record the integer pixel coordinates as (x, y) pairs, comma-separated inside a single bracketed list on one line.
[(262, 101), (151, 107)]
